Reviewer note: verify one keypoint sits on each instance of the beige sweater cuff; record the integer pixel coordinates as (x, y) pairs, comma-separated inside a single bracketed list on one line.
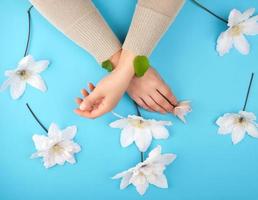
[(80, 21), (147, 27)]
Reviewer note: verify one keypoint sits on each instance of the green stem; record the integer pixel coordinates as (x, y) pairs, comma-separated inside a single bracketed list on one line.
[(36, 118), (209, 11), (28, 37), (248, 91)]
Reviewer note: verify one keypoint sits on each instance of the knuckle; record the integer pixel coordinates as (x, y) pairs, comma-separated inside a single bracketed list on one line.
[(167, 92)]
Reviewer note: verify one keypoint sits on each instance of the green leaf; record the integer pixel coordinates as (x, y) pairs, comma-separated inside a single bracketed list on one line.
[(107, 65), (141, 65)]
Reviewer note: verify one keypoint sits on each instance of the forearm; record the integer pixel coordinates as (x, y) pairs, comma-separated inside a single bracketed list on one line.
[(150, 21), (80, 21)]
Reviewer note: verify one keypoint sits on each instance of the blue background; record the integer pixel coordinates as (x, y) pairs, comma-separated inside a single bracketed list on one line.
[(208, 165)]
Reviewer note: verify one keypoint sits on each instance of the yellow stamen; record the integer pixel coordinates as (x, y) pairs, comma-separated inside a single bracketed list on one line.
[(57, 148), (235, 30), (23, 74)]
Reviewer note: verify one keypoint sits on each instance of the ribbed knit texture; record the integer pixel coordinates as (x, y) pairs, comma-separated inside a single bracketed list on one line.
[(81, 22), (150, 21), (165, 7)]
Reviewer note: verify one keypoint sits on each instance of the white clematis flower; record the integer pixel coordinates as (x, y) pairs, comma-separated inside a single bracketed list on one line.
[(27, 71), (238, 124), (148, 172), (57, 147), (139, 130), (240, 24), (182, 109)]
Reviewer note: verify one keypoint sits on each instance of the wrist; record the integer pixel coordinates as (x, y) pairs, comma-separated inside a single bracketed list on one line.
[(114, 59), (126, 62)]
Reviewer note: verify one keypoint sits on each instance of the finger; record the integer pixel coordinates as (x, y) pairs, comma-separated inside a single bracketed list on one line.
[(91, 86), (86, 104), (153, 105), (83, 113), (163, 102), (149, 108), (141, 103), (166, 92), (79, 112), (100, 110), (96, 112), (90, 101), (84, 93), (78, 101)]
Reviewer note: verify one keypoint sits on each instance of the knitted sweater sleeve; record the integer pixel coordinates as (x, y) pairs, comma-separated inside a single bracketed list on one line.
[(80, 21), (150, 21)]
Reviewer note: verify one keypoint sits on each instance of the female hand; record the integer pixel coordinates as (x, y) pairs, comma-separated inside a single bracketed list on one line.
[(152, 93), (109, 90)]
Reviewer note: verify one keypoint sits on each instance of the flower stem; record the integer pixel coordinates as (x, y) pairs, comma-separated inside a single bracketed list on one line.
[(248, 91), (209, 11), (142, 156), (35, 117), (139, 114), (29, 30)]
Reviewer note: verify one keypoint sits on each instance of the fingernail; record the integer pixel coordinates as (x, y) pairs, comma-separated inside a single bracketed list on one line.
[(82, 106)]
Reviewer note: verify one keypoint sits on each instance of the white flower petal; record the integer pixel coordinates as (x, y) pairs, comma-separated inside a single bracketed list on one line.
[(235, 16), (17, 88), (71, 160), (26, 62), (238, 134), (241, 44), (142, 139), (37, 82), (250, 27), (252, 130), (40, 66), (76, 147), (159, 123), (125, 180), (226, 123), (248, 13), (59, 159), (121, 174), (182, 109), (5, 84), (140, 183), (159, 132), (136, 117), (158, 180), (36, 155), (155, 152), (69, 146), (120, 123), (54, 131), (127, 136), (224, 43), (155, 156), (9, 73), (248, 115), (41, 142), (69, 133), (166, 159), (141, 189), (49, 161)]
